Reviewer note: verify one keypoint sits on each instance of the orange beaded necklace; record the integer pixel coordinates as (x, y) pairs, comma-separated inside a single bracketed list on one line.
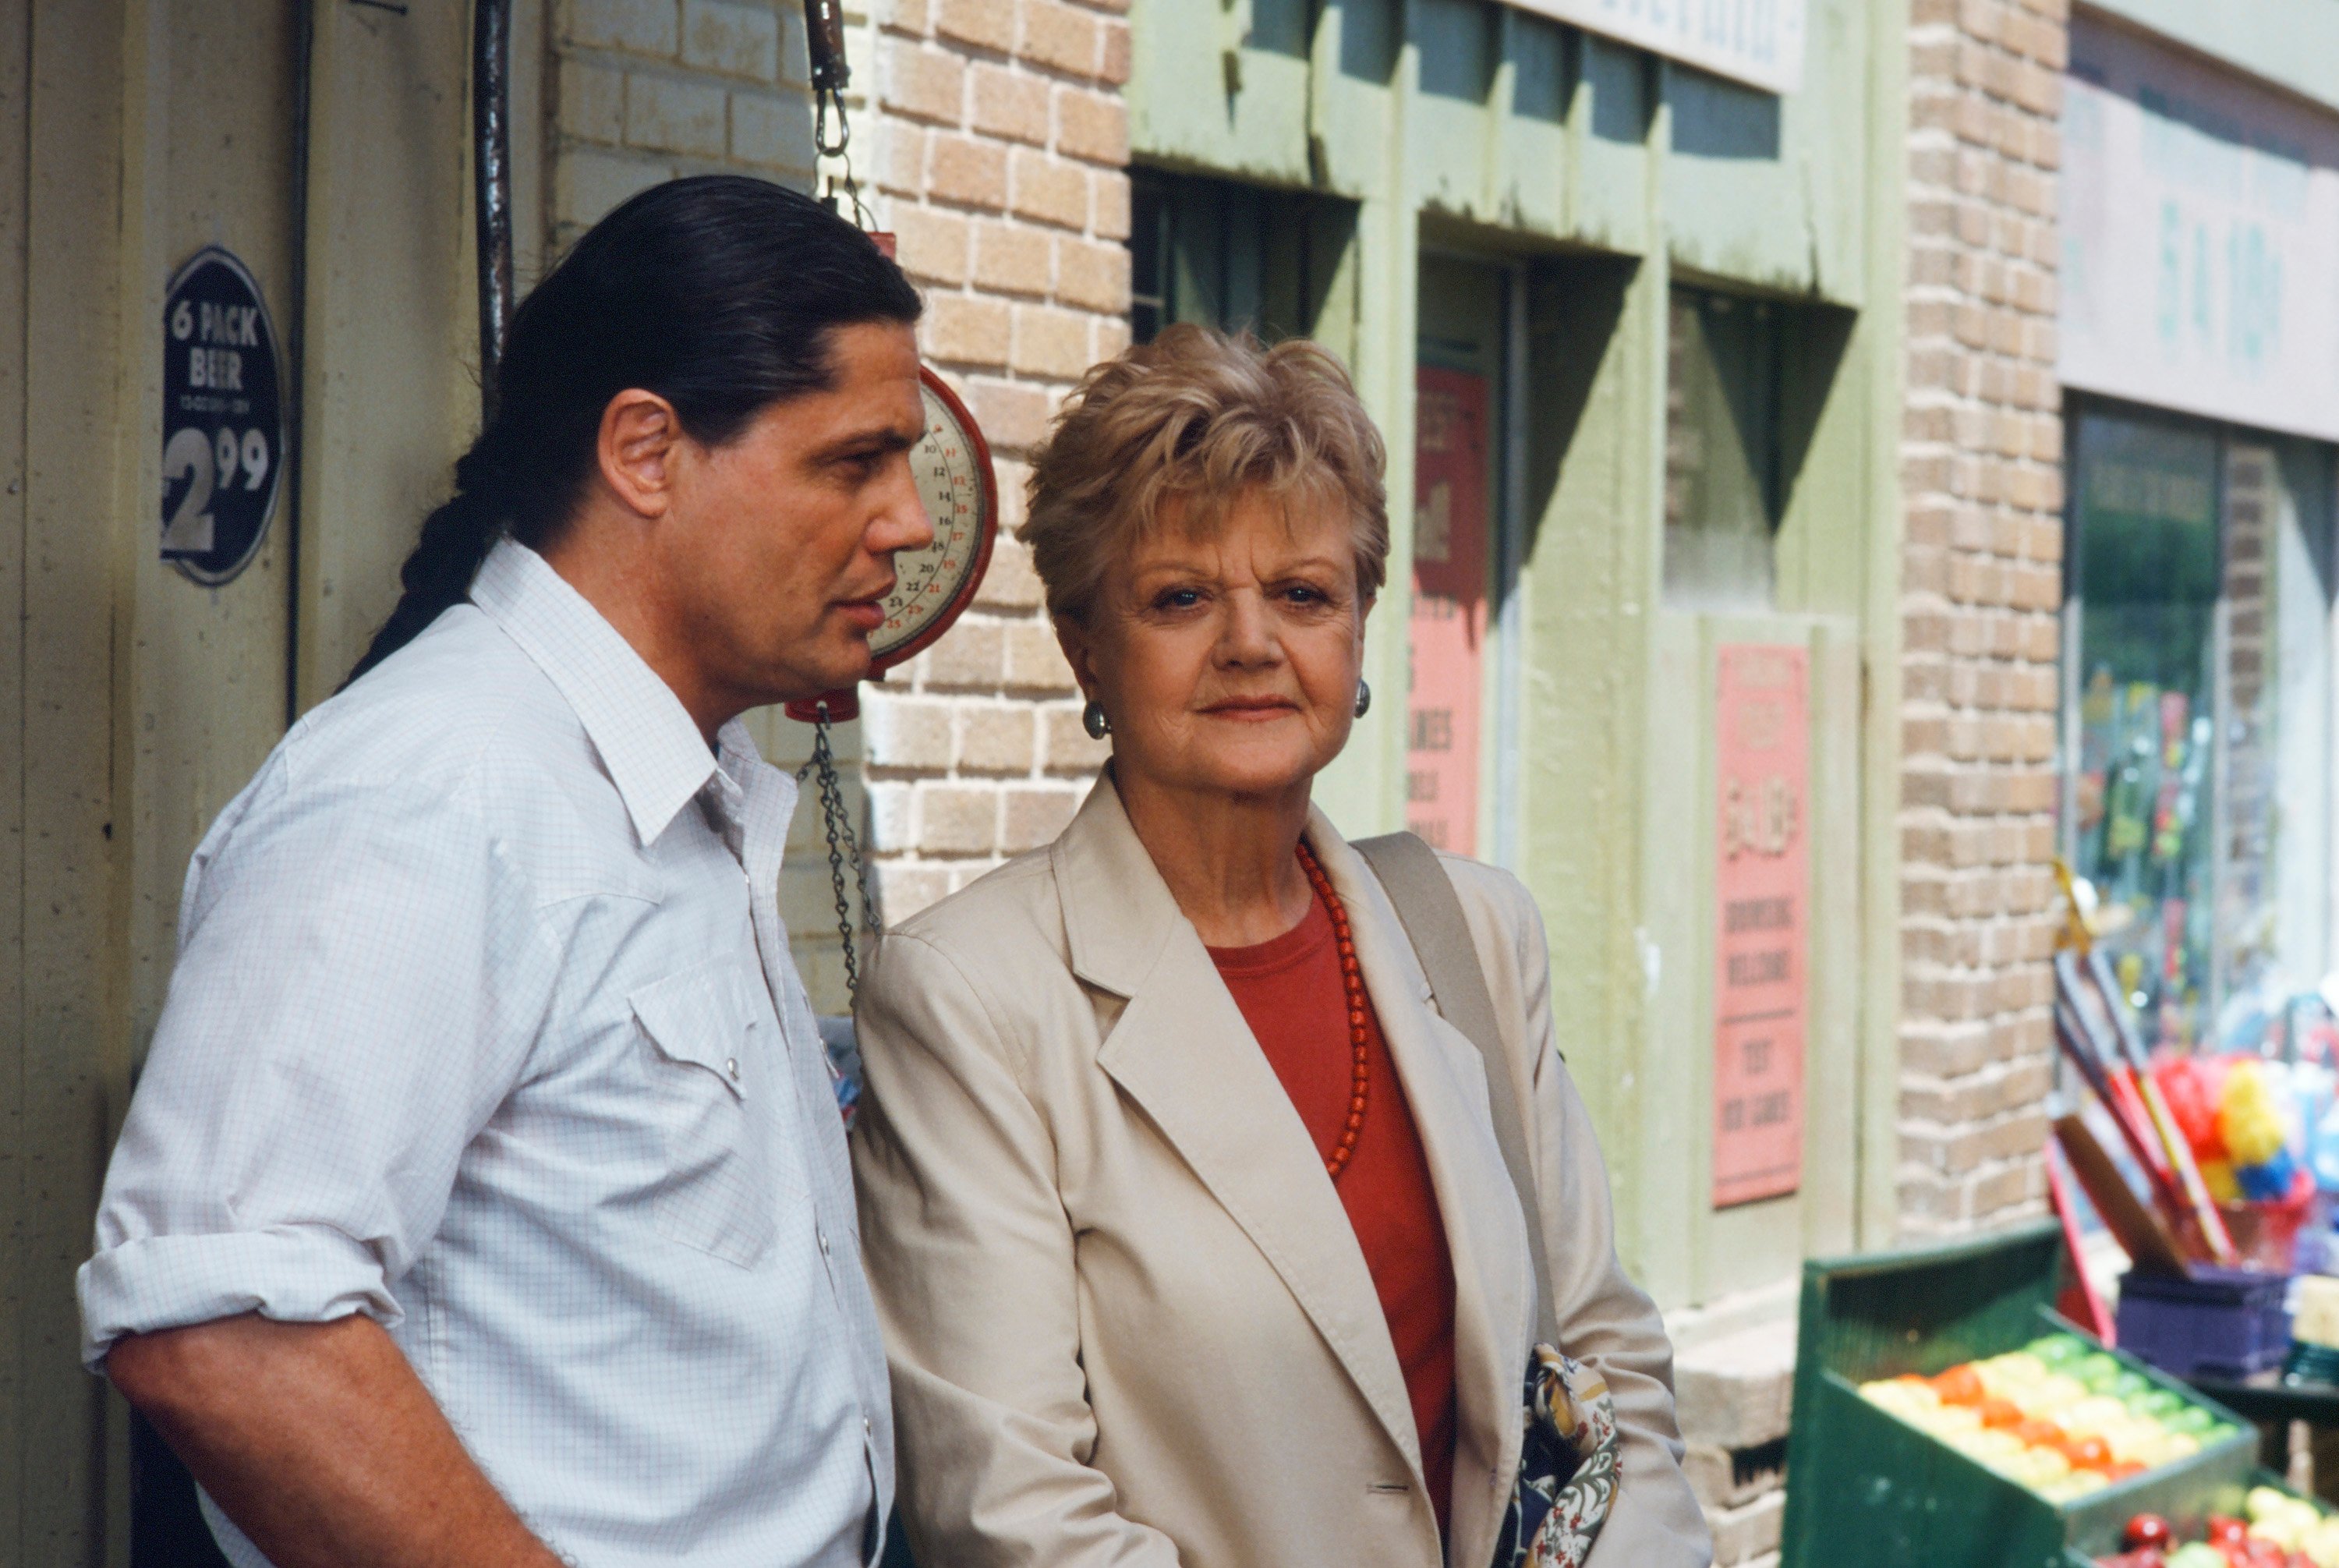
[(1353, 979)]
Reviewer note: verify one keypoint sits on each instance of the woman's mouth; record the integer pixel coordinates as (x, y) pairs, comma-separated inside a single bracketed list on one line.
[(1251, 709)]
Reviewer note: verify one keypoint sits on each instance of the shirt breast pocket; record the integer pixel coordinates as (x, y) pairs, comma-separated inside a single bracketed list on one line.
[(719, 1194)]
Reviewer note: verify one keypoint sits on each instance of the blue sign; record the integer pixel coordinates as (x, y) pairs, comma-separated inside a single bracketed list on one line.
[(223, 418)]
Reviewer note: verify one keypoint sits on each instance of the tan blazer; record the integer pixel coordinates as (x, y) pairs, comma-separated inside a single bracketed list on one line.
[(1128, 1319)]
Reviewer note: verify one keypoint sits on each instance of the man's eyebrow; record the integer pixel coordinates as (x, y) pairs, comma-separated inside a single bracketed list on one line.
[(886, 440)]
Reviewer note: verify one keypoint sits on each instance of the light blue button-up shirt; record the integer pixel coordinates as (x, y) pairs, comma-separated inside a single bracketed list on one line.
[(485, 1025)]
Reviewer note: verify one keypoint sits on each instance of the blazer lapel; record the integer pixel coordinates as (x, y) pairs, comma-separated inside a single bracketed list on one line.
[(1182, 1050), (1485, 1229)]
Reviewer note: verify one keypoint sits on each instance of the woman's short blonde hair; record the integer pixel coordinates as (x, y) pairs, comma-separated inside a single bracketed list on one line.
[(1199, 416)]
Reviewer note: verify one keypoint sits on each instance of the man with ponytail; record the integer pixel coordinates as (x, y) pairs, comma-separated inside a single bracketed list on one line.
[(484, 1199)]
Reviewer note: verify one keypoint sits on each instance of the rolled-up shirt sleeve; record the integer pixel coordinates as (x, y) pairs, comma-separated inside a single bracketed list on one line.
[(361, 975)]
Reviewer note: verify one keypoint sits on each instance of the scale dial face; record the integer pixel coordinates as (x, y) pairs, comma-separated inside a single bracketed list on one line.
[(951, 464)]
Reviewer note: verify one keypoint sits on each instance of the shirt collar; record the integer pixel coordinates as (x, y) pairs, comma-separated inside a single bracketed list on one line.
[(649, 744), (742, 760)]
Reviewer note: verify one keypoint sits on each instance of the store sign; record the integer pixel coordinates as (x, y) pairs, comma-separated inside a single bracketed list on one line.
[(1448, 632), (1757, 42), (2200, 237), (223, 418), (1761, 881)]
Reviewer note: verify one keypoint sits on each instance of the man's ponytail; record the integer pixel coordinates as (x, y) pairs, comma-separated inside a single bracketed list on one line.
[(718, 292), (437, 575)]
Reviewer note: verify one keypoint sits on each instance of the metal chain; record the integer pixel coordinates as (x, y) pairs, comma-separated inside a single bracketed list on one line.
[(836, 823)]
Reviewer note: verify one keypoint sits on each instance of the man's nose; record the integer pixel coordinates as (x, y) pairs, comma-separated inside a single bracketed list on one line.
[(901, 522)]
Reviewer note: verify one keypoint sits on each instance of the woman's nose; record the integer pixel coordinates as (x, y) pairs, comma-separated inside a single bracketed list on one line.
[(1246, 636)]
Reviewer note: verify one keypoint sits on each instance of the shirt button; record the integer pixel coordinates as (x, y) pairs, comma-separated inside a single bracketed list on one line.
[(731, 1066), (824, 1242)]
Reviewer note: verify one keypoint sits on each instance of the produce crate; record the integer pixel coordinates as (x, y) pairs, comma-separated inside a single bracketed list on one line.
[(1865, 1490)]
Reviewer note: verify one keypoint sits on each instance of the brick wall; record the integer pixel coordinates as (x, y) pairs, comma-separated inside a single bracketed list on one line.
[(996, 147), (1981, 588), (641, 91)]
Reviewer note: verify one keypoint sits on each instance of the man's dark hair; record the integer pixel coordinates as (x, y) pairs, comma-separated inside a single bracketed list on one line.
[(719, 293)]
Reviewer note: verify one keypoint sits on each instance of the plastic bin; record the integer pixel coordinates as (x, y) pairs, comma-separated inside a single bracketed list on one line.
[(1864, 1490), (2221, 1322)]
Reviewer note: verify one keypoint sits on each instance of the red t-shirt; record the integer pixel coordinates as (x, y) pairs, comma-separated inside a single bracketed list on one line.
[(1290, 993)]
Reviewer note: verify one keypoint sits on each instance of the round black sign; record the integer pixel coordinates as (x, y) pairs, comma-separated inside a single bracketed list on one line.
[(223, 418)]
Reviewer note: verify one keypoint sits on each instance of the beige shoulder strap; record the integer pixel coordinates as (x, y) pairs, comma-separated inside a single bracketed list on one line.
[(1431, 912)]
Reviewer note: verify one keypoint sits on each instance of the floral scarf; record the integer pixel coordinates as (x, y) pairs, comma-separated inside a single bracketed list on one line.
[(1567, 1466)]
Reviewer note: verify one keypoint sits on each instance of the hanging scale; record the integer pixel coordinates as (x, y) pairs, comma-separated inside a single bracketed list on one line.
[(951, 464)]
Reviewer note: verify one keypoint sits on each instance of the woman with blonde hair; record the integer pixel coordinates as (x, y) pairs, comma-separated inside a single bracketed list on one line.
[(1187, 1215)]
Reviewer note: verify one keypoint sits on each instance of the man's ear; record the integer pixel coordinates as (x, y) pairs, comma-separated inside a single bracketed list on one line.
[(640, 439)]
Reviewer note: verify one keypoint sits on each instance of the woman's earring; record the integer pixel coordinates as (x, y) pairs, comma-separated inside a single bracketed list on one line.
[(1092, 720), (1364, 698)]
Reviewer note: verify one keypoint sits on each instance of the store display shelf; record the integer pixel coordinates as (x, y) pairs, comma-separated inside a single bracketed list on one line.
[(1867, 1490)]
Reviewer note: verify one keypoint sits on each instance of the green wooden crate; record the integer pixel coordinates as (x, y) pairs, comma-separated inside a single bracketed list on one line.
[(1865, 1490)]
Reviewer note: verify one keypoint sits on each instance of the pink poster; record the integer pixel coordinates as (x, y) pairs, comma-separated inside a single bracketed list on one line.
[(1760, 879), (1448, 632)]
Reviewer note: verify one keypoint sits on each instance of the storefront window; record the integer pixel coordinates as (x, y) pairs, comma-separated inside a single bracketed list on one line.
[(1723, 464), (1231, 255), (1460, 416), (2197, 732)]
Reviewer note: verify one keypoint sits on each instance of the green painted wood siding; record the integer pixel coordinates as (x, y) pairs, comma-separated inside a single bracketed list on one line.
[(1605, 175)]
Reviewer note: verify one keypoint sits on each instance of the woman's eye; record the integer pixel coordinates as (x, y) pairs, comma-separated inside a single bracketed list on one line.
[(1178, 599)]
